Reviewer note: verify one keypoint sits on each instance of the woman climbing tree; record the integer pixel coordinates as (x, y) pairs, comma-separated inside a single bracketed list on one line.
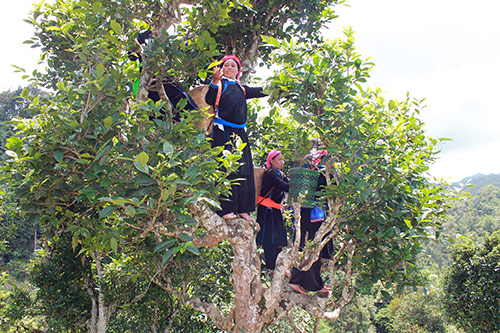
[(229, 97), (272, 234)]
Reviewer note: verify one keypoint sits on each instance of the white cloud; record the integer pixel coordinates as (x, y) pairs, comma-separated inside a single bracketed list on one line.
[(467, 162), (447, 52)]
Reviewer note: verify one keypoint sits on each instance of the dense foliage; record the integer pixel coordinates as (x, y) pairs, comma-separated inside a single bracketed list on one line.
[(471, 287), (375, 172), (125, 196), (415, 312)]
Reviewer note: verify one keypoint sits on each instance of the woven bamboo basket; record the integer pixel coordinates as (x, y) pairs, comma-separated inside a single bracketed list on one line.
[(303, 182), (258, 174), (198, 95)]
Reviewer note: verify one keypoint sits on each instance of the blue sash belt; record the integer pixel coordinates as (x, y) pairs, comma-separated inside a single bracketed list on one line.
[(229, 124)]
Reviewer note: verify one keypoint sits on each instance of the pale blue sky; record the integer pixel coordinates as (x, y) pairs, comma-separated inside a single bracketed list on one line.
[(446, 51)]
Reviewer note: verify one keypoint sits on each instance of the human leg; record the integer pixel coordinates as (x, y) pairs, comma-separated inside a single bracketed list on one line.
[(271, 252)]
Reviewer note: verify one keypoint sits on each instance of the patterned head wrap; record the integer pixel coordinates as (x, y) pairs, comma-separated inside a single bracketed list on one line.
[(315, 157)]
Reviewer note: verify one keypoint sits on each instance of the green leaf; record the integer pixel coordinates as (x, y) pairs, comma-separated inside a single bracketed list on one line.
[(168, 255), (301, 119), (190, 221), (18, 69), (271, 40), (193, 249), (165, 245), (202, 74), (192, 171), (25, 93), (142, 158), (60, 85), (58, 155), (106, 211), (100, 69), (74, 124), (66, 27), (131, 211), (144, 180), (168, 149), (185, 237), (408, 223), (214, 63), (103, 150), (140, 167), (189, 200), (114, 244), (108, 121), (96, 6), (211, 202), (117, 28), (89, 192)]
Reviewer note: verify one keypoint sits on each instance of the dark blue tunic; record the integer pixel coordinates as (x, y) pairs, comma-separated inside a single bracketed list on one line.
[(311, 279), (272, 228), (272, 234), (233, 108)]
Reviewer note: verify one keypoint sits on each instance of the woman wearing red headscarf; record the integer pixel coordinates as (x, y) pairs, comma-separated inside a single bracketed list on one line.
[(272, 234), (229, 97)]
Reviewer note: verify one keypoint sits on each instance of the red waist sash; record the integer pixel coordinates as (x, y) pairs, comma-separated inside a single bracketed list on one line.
[(268, 202)]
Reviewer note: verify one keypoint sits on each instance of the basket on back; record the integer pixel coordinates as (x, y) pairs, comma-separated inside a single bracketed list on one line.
[(303, 182), (198, 95), (258, 174)]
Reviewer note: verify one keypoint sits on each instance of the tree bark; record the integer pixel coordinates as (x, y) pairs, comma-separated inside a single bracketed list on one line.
[(256, 305), (93, 300), (246, 275), (102, 319)]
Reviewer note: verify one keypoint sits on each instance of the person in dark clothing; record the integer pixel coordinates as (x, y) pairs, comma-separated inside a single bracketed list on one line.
[(229, 97), (272, 234), (174, 90), (311, 280)]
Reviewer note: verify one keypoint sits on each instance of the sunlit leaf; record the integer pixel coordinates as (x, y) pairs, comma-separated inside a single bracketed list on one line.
[(108, 121), (142, 158), (117, 28)]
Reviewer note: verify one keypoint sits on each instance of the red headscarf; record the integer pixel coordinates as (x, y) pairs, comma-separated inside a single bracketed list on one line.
[(238, 62)]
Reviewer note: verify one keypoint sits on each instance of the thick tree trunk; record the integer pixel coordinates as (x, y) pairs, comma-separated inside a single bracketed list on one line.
[(255, 305), (246, 276)]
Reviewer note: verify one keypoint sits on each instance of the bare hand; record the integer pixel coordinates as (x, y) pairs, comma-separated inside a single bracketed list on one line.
[(217, 75)]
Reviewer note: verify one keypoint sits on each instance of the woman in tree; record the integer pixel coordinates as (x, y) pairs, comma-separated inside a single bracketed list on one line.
[(173, 89), (272, 234), (310, 222), (229, 97)]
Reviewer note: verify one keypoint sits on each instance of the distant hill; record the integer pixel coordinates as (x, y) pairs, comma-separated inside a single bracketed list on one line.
[(479, 181), (473, 217)]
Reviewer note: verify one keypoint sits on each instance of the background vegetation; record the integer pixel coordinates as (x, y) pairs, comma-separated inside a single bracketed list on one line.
[(56, 281)]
